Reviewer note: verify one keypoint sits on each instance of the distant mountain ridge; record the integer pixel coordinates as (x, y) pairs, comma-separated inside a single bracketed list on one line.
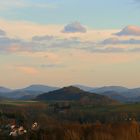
[(4, 89), (41, 88), (110, 88), (31, 91), (119, 93)]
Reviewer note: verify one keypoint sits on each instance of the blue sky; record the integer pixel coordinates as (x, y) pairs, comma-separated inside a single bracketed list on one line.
[(93, 13)]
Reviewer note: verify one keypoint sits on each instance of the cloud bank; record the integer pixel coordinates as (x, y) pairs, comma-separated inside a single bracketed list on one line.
[(116, 41), (43, 38), (45, 43)]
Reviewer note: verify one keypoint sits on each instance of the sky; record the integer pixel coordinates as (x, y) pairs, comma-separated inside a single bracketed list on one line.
[(66, 42)]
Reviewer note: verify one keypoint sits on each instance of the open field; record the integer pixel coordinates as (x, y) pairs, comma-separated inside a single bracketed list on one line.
[(65, 110), (17, 103), (70, 121)]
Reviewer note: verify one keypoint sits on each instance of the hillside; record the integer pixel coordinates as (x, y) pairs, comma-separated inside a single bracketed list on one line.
[(72, 93), (116, 96)]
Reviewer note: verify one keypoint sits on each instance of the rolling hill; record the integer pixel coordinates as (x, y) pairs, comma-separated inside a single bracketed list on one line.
[(72, 93)]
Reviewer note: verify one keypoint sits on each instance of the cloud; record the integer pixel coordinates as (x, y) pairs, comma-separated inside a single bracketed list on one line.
[(74, 27), (10, 44), (116, 41), (112, 49), (2, 33), (130, 30), (102, 49), (49, 43), (43, 38), (57, 42), (37, 44), (5, 41), (13, 45)]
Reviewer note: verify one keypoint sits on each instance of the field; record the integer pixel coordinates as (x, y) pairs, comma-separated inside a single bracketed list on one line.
[(64, 108), (69, 120)]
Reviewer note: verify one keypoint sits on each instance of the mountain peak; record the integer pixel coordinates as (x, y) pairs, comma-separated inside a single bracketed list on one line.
[(72, 93), (72, 89)]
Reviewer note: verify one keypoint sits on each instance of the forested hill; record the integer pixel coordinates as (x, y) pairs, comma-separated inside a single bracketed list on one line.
[(72, 93)]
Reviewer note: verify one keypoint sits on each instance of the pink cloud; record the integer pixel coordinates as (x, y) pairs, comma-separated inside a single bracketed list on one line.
[(130, 30)]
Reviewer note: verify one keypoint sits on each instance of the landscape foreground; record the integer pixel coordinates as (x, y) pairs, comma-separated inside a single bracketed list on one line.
[(69, 120)]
